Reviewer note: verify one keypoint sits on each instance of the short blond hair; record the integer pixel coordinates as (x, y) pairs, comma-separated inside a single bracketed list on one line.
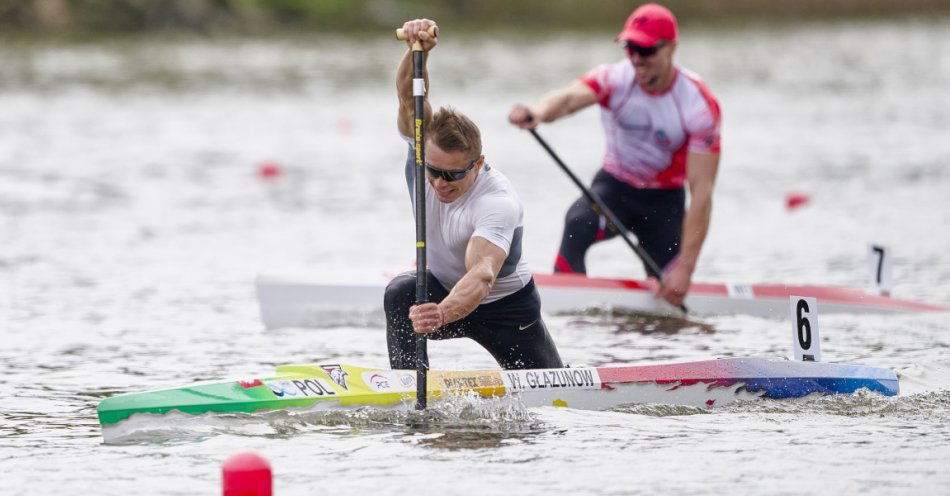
[(452, 131)]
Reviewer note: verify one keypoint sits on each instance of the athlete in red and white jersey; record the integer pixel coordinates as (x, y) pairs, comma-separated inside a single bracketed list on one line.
[(649, 134), (662, 130)]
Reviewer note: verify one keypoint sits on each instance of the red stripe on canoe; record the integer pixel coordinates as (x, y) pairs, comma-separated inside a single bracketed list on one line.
[(773, 291)]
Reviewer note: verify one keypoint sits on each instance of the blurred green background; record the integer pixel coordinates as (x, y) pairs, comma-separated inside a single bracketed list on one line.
[(262, 16)]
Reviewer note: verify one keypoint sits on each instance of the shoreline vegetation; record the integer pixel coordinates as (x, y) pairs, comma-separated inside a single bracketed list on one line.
[(102, 17)]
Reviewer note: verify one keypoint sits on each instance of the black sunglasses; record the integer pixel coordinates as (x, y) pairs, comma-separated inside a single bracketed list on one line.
[(643, 51), (449, 175)]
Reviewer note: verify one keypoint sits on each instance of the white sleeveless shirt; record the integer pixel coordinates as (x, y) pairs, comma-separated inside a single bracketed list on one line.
[(490, 209)]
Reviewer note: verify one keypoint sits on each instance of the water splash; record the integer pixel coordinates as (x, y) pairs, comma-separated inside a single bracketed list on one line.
[(466, 415)]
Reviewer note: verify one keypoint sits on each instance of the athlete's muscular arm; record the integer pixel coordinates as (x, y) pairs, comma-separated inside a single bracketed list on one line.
[(483, 260), (553, 105), (701, 171), (415, 30)]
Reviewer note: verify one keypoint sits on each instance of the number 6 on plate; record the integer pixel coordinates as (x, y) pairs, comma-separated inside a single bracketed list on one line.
[(805, 323)]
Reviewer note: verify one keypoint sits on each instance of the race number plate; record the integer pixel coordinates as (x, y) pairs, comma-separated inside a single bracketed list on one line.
[(805, 338)]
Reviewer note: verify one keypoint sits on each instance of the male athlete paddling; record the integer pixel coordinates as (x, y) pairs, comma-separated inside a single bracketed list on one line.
[(661, 123), (479, 285)]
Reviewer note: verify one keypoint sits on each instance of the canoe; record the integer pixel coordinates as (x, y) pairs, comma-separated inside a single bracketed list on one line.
[(329, 386), (312, 302)]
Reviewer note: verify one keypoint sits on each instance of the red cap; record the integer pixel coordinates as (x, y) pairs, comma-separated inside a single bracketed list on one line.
[(649, 24)]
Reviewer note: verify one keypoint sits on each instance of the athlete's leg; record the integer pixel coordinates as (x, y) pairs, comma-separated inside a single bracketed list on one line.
[(399, 297), (515, 348), (583, 226), (512, 330), (658, 223)]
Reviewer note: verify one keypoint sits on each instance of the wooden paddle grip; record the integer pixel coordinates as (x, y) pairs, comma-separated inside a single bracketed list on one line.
[(433, 32)]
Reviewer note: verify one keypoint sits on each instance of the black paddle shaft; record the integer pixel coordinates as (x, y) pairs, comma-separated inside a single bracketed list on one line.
[(612, 221), (422, 279)]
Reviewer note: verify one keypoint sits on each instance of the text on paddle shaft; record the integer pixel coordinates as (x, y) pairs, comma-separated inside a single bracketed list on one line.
[(550, 379)]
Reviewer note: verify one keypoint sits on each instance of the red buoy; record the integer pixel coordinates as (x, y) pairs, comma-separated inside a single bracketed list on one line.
[(246, 474), (796, 200), (269, 170)]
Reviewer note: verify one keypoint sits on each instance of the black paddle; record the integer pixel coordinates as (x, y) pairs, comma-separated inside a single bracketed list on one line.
[(612, 221), (422, 286)]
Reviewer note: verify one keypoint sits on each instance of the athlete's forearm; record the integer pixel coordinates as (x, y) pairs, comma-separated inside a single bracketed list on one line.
[(701, 170), (695, 228), (469, 292), (561, 102), (404, 92)]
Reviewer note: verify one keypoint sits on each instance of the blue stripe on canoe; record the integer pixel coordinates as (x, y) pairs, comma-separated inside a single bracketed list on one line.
[(796, 387)]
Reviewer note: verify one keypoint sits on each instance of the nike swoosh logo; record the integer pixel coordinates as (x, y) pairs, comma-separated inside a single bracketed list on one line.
[(523, 327)]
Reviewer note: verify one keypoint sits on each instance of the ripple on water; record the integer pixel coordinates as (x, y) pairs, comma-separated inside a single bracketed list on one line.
[(863, 403)]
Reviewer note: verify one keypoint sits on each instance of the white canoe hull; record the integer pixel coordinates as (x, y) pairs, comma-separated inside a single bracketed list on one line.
[(299, 302)]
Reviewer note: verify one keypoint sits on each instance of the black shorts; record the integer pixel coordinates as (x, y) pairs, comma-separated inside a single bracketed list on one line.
[(511, 329), (654, 216)]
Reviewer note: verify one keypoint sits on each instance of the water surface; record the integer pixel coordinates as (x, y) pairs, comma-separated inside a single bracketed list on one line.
[(133, 221)]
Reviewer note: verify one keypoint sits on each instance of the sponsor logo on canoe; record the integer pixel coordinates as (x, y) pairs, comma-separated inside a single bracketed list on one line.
[(282, 389), (378, 382), (741, 291), (336, 372), (528, 380), (468, 380), (384, 381), (300, 388)]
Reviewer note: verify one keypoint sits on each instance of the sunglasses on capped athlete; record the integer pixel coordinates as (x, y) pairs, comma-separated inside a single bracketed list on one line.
[(643, 51), (449, 175)]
